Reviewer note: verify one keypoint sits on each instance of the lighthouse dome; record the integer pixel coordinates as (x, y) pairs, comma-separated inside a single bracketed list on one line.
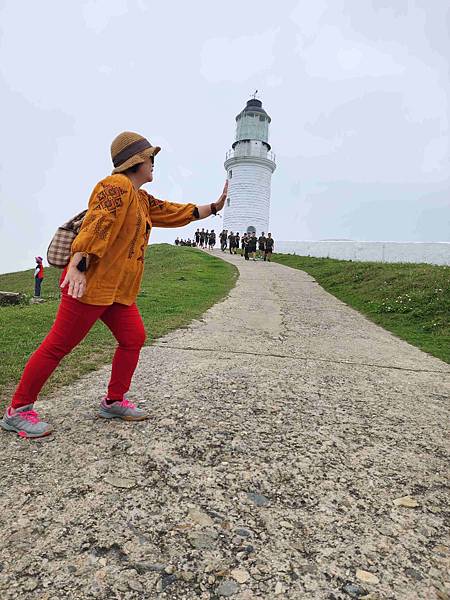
[(252, 123)]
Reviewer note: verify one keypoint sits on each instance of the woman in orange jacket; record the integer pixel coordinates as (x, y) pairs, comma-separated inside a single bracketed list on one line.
[(102, 281)]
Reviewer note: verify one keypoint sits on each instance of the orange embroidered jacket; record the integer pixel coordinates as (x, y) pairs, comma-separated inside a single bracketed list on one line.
[(115, 234)]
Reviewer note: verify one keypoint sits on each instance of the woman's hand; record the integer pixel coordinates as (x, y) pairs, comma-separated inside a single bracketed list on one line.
[(221, 201), (204, 210), (75, 278)]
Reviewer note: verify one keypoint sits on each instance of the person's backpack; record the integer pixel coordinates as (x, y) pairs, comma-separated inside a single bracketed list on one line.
[(58, 252)]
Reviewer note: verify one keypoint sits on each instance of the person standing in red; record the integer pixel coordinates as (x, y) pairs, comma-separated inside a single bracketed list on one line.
[(102, 281), (38, 276)]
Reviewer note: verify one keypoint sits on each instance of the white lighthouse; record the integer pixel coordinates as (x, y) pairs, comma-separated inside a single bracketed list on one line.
[(249, 165)]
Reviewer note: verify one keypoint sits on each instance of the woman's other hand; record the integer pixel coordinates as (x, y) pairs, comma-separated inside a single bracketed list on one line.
[(75, 278)]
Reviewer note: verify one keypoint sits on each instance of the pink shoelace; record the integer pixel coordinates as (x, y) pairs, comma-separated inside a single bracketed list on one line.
[(125, 403), (29, 415)]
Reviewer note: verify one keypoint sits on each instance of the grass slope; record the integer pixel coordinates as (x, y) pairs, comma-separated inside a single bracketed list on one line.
[(179, 284), (410, 300)]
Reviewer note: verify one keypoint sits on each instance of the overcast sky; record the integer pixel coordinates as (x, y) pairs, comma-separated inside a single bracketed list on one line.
[(358, 92)]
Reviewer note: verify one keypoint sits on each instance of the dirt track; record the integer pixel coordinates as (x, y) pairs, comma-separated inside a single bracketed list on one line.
[(283, 427)]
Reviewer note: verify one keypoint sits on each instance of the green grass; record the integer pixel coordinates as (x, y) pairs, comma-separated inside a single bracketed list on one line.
[(179, 284), (410, 300)]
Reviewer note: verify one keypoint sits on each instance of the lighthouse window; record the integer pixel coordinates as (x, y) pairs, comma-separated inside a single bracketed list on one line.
[(261, 118), (228, 202), (230, 174)]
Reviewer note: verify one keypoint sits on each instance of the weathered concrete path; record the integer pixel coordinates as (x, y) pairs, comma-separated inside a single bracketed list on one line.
[(284, 425)]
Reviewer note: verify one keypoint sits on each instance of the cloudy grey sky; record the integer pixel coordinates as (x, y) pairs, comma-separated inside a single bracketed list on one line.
[(358, 92)]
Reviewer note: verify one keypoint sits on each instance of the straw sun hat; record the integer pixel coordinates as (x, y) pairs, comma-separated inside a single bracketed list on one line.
[(129, 149)]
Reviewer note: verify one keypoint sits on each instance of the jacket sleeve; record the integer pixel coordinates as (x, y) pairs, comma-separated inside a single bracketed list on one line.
[(106, 213), (170, 214)]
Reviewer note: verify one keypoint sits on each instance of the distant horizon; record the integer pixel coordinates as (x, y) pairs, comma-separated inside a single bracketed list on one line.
[(28, 268)]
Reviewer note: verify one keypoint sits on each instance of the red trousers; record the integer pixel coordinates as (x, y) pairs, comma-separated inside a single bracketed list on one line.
[(73, 322)]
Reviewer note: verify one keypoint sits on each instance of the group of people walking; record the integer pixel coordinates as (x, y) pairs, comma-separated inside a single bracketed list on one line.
[(250, 246), (203, 239), (247, 245)]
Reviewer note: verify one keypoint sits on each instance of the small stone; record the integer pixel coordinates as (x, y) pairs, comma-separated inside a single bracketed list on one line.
[(406, 501), (203, 541), (258, 499), (279, 588), (367, 577), (103, 561), (100, 577), (227, 588), (286, 525), (243, 532), (135, 585), (120, 482), (355, 591), (167, 580), (246, 595), (414, 574), (30, 585), (144, 567), (240, 575), (200, 518)]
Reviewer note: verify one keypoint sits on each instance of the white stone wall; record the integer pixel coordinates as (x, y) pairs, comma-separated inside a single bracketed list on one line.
[(437, 253), (249, 194)]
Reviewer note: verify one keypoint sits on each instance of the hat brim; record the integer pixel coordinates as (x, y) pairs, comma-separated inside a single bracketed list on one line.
[(137, 159)]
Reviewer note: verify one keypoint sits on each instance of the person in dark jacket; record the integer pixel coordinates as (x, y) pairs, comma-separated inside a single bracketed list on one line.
[(252, 245), (231, 242), (261, 245), (223, 240), (269, 247)]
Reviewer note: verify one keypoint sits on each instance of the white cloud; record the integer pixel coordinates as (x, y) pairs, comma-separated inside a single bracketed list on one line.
[(237, 59), (98, 13), (334, 56)]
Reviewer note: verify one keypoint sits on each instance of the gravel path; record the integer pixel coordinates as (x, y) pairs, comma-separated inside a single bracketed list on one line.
[(284, 427)]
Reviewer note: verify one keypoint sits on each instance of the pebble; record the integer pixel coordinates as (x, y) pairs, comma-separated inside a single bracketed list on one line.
[(30, 585), (366, 576), (203, 541), (279, 589), (227, 588), (258, 499), (243, 532), (120, 482), (240, 575), (355, 591), (200, 518), (406, 501)]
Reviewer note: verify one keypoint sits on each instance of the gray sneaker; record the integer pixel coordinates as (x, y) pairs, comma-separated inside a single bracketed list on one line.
[(25, 421), (122, 409)]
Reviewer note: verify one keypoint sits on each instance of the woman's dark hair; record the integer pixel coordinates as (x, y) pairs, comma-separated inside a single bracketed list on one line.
[(134, 168)]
